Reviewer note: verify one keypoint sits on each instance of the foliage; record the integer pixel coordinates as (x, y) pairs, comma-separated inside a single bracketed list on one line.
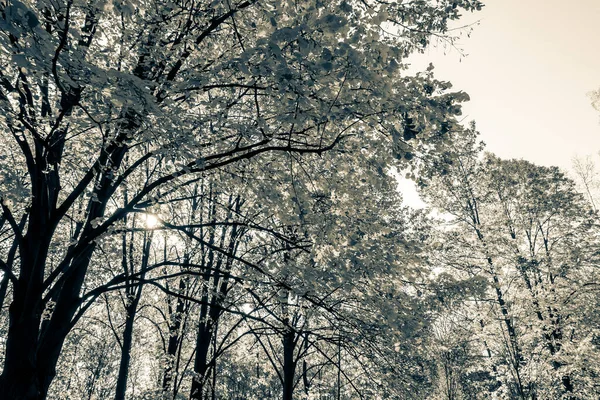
[(531, 236), (166, 165)]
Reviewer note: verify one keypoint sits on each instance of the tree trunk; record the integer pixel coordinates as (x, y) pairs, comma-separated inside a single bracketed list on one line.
[(216, 277), (289, 365), (32, 348), (25, 374), (125, 354), (305, 379), (203, 341), (173, 344), (134, 294), (20, 378)]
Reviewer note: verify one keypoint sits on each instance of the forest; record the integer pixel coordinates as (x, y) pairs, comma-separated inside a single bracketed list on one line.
[(199, 199)]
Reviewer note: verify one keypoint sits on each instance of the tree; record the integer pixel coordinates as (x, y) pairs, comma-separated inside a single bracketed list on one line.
[(586, 176), (595, 97), (531, 235), (99, 100)]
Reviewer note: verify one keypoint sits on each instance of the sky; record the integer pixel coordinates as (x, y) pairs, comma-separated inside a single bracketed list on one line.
[(528, 67)]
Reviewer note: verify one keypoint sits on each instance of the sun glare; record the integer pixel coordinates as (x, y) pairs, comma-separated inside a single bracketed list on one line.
[(151, 221)]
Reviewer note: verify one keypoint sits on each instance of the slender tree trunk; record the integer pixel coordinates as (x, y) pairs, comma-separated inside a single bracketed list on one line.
[(510, 328), (213, 388), (216, 278), (125, 354), (203, 341), (339, 369), (134, 294), (173, 344), (305, 380), (203, 335), (289, 365)]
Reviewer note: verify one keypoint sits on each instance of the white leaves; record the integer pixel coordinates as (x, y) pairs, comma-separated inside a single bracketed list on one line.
[(96, 222), (6, 202), (48, 310)]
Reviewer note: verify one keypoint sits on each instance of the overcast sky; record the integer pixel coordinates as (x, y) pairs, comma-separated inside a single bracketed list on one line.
[(529, 67)]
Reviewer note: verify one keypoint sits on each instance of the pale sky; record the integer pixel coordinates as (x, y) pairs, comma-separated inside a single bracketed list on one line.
[(529, 67)]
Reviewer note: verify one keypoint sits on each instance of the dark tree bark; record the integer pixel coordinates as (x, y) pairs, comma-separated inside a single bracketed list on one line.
[(217, 284), (289, 364), (305, 379), (133, 293), (174, 342)]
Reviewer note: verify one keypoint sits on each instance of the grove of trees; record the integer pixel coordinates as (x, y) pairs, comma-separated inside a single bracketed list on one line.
[(199, 201)]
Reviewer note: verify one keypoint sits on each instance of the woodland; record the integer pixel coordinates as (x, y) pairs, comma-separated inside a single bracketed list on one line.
[(199, 200)]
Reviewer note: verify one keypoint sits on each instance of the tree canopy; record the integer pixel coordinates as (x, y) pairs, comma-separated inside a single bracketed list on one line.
[(199, 200), (193, 115)]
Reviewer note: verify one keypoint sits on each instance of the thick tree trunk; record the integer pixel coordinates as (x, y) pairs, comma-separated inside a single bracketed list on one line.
[(24, 373), (33, 348), (20, 378)]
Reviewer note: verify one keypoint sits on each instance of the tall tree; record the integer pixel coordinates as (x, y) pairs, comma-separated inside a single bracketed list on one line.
[(95, 94), (527, 230)]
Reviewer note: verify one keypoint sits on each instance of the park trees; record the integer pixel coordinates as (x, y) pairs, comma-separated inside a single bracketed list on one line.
[(531, 236), (110, 108)]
